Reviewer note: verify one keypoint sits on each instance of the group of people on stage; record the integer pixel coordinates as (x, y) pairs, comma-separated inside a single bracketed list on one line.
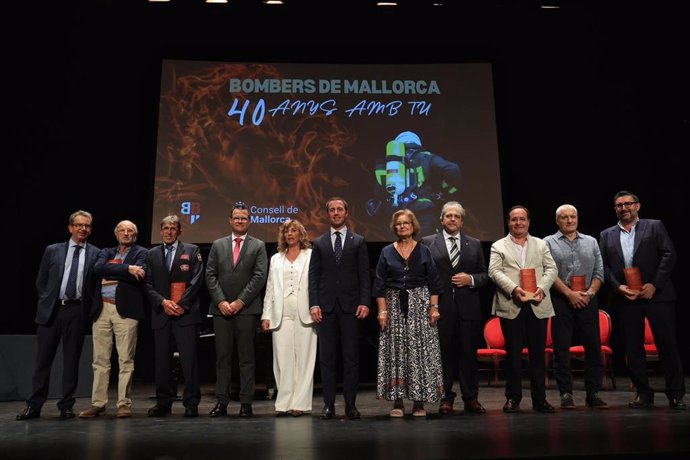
[(426, 293)]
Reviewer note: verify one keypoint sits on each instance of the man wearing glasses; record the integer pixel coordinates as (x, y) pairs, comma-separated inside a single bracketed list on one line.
[(62, 313), (643, 244), (235, 275)]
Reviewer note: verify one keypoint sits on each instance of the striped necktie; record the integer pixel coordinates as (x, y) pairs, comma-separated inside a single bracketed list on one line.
[(454, 252)]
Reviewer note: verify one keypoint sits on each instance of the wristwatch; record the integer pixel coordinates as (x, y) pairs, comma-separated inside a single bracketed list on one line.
[(590, 294)]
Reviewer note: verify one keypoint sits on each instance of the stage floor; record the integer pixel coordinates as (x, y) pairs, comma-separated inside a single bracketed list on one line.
[(617, 432)]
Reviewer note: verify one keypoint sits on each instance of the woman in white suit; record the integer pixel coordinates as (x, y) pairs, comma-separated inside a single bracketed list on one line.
[(286, 314)]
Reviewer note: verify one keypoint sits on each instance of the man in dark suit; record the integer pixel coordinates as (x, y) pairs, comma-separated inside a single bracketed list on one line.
[(62, 313), (339, 295), (116, 310), (644, 244), (173, 279), (462, 269), (235, 275)]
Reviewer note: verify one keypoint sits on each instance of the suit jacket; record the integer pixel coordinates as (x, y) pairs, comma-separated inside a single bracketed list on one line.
[(653, 254), (244, 282), (188, 268), (348, 283), (49, 279), (275, 293), (130, 294), (471, 262), (504, 271)]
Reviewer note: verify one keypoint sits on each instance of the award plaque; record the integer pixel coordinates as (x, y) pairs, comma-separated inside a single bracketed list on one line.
[(633, 278), (528, 281), (577, 283)]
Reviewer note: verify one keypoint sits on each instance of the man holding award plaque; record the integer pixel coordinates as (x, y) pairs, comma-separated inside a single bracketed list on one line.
[(580, 276), (639, 257), (173, 279), (523, 270)]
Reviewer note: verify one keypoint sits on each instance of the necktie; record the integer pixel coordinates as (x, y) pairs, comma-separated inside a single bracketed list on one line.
[(168, 256), (71, 288), (338, 248), (236, 251), (454, 252)]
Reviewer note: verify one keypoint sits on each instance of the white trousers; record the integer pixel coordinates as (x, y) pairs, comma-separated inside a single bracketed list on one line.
[(294, 358)]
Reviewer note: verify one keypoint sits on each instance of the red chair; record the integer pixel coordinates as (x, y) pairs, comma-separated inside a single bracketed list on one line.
[(548, 352), (650, 350), (495, 351), (578, 351)]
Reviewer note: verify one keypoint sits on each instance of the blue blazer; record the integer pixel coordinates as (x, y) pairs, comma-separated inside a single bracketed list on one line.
[(349, 283), (653, 254), (49, 279), (188, 268), (130, 294)]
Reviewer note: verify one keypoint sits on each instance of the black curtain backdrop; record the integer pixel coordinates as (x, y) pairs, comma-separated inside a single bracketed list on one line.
[(590, 99)]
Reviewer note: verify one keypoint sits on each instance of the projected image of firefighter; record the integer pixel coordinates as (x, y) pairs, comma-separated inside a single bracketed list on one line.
[(410, 177)]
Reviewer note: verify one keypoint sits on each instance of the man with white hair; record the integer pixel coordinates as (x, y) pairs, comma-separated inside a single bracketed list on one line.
[(576, 306)]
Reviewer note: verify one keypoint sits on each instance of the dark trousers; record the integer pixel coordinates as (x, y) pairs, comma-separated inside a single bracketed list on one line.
[(185, 338), (67, 323), (229, 331), (459, 341), (526, 327), (661, 317), (338, 327), (586, 322)]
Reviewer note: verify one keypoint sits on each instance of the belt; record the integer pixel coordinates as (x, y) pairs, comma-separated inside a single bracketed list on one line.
[(67, 303), (109, 300)]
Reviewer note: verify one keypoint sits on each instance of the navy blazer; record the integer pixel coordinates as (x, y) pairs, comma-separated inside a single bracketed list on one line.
[(653, 254), (49, 279), (130, 294), (188, 268), (349, 283), (472, 262)]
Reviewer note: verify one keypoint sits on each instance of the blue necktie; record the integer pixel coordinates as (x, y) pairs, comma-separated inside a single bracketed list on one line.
[(71, 288), (168, 256), (338, 248)]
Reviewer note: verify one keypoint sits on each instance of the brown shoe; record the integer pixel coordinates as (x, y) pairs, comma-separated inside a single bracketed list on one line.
[(473, 406), (91, 412), (124, 412), (446, 407)]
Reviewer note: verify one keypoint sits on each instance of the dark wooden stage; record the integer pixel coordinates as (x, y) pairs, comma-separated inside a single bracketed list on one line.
[(618, 432)]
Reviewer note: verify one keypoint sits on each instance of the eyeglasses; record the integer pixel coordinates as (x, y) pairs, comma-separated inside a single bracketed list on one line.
[(403, 224), (627, 204), (85, 226), (239, 219)]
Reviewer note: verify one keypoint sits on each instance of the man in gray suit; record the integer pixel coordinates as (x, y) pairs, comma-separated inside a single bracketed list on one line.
[(523, 313), (235, 275), (62, 313)]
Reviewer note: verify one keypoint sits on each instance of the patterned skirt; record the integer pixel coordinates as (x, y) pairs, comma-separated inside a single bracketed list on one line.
[(409, 362)]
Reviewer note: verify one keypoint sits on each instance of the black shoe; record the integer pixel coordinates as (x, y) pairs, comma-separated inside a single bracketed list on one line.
[(29, 413), (642, 401), (159, 411), (511, 406), (66, 413), (218, 410), (595, 402), (677, 404), (567, 401), (191, 411), (474, 407), (327, 413), (543, 407), (246, 410), (352, 413)]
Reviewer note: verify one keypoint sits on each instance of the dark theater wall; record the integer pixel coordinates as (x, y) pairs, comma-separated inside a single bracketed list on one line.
[(590, 99)]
